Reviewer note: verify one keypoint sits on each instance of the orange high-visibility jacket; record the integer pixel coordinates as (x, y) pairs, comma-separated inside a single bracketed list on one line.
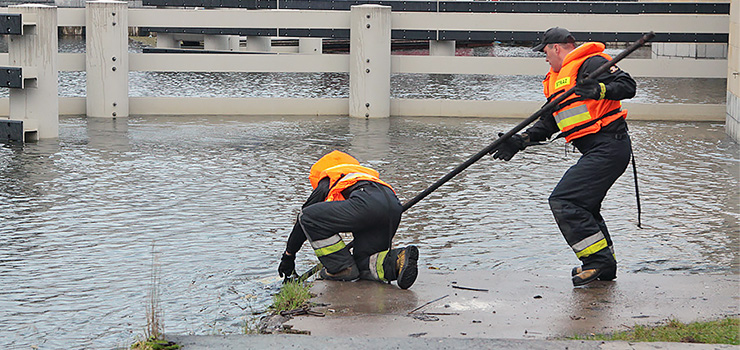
[(343, 171), (574, 111)]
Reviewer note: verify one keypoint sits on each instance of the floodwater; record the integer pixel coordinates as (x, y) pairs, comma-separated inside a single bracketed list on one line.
[(208, 202), (214, 200)]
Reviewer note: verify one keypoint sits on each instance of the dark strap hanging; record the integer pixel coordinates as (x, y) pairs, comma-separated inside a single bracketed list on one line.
[(637, 190)]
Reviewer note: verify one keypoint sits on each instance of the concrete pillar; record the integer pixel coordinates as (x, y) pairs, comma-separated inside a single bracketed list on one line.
[(259, 43), (233, 44), (313, 46), (37, 105), (441, 47), (216, 42), (370, 61), (732, 124), (106, 59), (167, 41)]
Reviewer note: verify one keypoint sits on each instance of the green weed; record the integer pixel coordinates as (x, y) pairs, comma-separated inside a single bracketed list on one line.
[(724, 331), (291, 296)]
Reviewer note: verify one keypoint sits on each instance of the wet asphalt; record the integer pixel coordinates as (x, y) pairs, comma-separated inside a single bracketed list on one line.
[(496, 310)]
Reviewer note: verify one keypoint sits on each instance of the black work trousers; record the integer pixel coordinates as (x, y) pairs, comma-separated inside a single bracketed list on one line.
[(371, 211), (576, 200)]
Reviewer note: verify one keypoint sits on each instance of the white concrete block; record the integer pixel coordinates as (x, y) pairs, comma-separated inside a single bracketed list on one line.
[(370, 61)]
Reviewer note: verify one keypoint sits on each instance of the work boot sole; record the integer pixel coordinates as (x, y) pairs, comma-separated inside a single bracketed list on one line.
[(409, 271), (609, 274)]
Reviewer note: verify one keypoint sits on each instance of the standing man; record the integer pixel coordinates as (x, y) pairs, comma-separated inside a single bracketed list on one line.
[(593, 120), (348, 197)]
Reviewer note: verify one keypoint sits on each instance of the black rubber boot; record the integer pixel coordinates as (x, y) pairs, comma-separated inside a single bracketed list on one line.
[(587, 276), (609, 274), (402, 265), (351, 273)]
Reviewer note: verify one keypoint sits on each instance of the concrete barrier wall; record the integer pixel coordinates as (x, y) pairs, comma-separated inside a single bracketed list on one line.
[(398, 108), (732, 120), (219, 18)]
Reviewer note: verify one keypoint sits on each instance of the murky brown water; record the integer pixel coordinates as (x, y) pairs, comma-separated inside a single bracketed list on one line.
[(217, 197)]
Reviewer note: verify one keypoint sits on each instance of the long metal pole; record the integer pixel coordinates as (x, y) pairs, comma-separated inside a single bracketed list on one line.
[(603, 68), (645, 38)]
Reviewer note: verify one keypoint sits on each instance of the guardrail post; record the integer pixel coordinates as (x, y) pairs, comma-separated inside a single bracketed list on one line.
[(313, 46), (732, 119), (167, 40), (370, 61), (441, 47), (218, 42), (106, 59), (37, 104), (259, 44)]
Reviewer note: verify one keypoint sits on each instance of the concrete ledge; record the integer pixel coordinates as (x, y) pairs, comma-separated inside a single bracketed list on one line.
[(519, 310), (298, 342), (148, 106), (516, 305)]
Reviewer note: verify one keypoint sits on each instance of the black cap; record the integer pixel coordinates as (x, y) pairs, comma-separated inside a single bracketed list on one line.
[(555, 35)]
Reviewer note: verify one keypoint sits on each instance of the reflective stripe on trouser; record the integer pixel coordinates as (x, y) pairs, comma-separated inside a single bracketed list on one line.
[(382, 266), (375, 265), (371, 212), (331, 251), (576, 200), (327, 246), (590, 245)]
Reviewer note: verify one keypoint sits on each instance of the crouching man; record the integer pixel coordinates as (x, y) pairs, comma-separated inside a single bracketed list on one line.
[(348, 197)]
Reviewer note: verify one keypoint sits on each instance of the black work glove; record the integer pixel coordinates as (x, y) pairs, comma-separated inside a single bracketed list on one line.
[(510, 147), (590, 88), (287, 265)]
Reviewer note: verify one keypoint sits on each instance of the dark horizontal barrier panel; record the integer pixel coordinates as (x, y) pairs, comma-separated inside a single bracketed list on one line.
[(398, 6), (11, 130), (212, 31), (11, 23), (11, 77), (582, 7), (316, 33), (507, 36), (200, 51), (596, 7)]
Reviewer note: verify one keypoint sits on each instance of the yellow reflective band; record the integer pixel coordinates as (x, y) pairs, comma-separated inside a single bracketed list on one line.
[(562, 82), (379, 265), (602, 93), (592, 249), (574, 120), (330, 249)]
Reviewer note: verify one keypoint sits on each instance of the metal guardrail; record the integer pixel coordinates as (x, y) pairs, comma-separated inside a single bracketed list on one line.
[(461, 35), (459, 7), (576, 7)]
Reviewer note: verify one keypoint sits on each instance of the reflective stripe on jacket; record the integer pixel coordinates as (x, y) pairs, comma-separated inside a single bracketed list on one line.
[(576, 116), (344, 176)]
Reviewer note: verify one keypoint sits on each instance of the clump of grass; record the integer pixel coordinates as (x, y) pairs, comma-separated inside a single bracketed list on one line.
[(155, 344), (291, 296), (154, 332), (724, 331)]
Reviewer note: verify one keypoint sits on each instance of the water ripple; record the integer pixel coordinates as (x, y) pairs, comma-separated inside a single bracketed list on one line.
[(216, 198)]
